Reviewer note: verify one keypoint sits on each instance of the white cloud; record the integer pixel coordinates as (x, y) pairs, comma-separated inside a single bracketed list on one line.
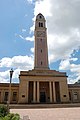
[(20, 36), (25, 38), (65, 65), (74, 59), (23, 30), (2, 80), (74, 69), (5, 76), (63, 26), (5, 62), (32, 50), (30, 38), (63, 23), (43, 6), (18, 63), (30, 1)]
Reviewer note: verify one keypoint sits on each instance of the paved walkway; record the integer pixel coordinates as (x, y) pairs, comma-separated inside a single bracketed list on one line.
[(50, 114)]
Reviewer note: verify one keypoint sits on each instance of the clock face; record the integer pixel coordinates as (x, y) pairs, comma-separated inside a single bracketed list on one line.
[(40, 33)]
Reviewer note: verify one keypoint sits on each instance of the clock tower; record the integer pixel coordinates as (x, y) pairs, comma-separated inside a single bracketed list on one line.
[(41, 50)]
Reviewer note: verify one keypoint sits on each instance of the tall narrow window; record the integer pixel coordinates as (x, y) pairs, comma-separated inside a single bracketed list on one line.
[(0, 96), (40, 24), (41, 62), (41, 40), (70, 96), (75, 96), (14, 96), (6, 96)]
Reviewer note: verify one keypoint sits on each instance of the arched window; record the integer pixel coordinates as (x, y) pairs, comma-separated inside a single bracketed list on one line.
[(40, 24)]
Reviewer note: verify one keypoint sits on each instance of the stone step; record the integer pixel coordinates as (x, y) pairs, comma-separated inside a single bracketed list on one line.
[(34, 106)]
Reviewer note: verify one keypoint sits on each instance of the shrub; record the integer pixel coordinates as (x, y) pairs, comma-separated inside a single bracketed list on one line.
[(5, 115), (3, 110), (12, 116), (16, 117)]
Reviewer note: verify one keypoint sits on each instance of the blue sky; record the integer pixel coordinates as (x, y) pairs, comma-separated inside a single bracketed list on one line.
[(17, 40), (15, 17)]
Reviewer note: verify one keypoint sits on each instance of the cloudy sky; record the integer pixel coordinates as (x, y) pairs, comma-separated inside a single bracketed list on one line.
[(17, 40)]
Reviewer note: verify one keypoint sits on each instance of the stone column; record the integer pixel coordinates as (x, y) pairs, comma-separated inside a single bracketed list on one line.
[(72, 96), (27, 90), (34, 91), (54, 95), (50, 88), (37, 91)]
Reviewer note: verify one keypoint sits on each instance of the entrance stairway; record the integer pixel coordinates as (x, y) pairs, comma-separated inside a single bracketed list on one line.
[(35, 106)]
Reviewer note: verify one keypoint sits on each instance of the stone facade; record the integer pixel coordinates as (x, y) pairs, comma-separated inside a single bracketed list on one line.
[(43, 86), (4, 91), (40, 85), (72, 91)]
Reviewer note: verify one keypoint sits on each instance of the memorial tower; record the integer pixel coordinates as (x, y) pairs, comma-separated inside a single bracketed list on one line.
[(41, 50)]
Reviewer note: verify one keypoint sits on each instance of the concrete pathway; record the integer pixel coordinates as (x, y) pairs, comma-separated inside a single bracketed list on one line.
[(49, 114)]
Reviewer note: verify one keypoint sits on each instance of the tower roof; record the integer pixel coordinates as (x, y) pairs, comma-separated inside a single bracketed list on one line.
[(40, 14), (40, 17)]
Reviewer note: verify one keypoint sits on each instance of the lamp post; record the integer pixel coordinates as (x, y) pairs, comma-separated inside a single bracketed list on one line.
[(9, 95)]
